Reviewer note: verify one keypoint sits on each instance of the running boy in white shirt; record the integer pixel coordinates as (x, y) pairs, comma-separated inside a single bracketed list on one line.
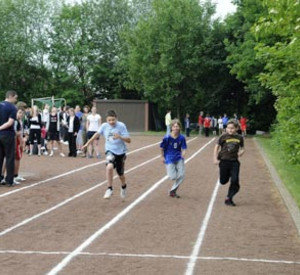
[(116, 135)]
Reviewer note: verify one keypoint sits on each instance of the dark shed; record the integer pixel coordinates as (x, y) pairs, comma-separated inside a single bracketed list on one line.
[(134, 113)]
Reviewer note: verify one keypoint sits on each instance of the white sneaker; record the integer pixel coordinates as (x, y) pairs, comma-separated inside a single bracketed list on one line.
[(51, 154), (16, 182), (79, 151), (62, 155), (45, 153), (19, 178), (123, 192), (108, 193)]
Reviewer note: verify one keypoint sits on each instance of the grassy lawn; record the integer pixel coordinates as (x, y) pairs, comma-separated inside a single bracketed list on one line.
[(289, 173)]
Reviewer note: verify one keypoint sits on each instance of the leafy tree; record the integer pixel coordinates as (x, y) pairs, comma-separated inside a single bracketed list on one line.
[(243, 62), (281, 72), (23, 47), (70, 53), (110, 19), (166, 52)]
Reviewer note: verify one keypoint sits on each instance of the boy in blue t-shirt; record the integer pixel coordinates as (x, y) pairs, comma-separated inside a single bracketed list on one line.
[(116, 135), (173, 148)]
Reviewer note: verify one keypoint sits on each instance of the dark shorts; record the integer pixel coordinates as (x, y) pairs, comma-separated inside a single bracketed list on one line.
[(90, 134), (53, 136), (117, 160)]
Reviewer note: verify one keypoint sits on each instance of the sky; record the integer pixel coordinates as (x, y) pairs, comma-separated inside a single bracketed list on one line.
[(224, 7)]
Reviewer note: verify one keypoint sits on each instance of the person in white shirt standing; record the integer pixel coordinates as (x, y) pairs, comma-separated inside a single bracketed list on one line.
[(92, 125)]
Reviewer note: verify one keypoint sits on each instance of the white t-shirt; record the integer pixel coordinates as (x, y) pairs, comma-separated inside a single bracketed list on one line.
[(45, 116), (93, 122), (220, 122)]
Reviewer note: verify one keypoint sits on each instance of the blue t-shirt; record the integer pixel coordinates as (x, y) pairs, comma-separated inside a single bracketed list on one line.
[(116, 146), (172, 148), (7, 111), (225, 120)]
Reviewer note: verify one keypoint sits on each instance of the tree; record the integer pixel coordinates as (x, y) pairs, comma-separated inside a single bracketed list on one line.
[(70, 55), (23, 47), (166, 52), (281, 71), (243, 62)]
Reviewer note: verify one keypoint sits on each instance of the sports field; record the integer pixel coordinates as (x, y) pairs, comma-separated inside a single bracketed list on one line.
[(57, 222)]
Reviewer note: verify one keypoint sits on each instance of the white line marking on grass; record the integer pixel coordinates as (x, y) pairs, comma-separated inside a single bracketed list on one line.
[(198, 244), (128, 255), (26, 221), (116, 219), (69, 173)]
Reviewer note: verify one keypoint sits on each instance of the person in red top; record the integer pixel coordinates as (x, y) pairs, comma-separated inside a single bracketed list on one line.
[(243, 124), (206, 124), (200, 122)]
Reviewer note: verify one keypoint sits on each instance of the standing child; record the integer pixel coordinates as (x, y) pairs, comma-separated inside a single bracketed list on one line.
[(53, 128), (73, 125), (116, 135), (173, 148), (19, 145), (229, 149)]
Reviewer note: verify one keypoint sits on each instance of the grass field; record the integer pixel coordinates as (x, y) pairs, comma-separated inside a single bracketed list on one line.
[(289, 173)]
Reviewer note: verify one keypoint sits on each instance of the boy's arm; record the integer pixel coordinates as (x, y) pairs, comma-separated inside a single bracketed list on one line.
[(183, 152), (91, 140), (162, 155), (241, 151), (216, 151)]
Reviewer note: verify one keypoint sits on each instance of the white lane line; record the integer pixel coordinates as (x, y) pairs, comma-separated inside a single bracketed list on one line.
[(129, 255), (116, 219), (26, 221), (198, 244), (69, 173)]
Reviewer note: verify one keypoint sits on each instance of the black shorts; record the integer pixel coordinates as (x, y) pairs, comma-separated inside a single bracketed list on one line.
[(117, 160), (53, 136), (90, 134)]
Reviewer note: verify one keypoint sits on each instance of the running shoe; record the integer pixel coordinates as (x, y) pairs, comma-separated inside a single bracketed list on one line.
[(62, 155), (51, 153), (229, 202), (123, 192), (108, 193), (19, 178), (173, 194)]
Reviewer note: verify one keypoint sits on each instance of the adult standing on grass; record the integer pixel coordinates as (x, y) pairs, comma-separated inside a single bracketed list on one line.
[(187, 124), (243, 123), (8, 113), (200, 122), (228, 150), (168, 120), (173, 148), (116, 136), (225, 121)]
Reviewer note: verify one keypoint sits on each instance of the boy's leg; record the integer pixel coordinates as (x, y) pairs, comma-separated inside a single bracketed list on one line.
[(120, 167), (109, 174), (224, 171), (179, 167), (234, 182)]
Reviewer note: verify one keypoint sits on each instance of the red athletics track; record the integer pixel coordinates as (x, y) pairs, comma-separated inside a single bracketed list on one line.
[(58, 223)]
